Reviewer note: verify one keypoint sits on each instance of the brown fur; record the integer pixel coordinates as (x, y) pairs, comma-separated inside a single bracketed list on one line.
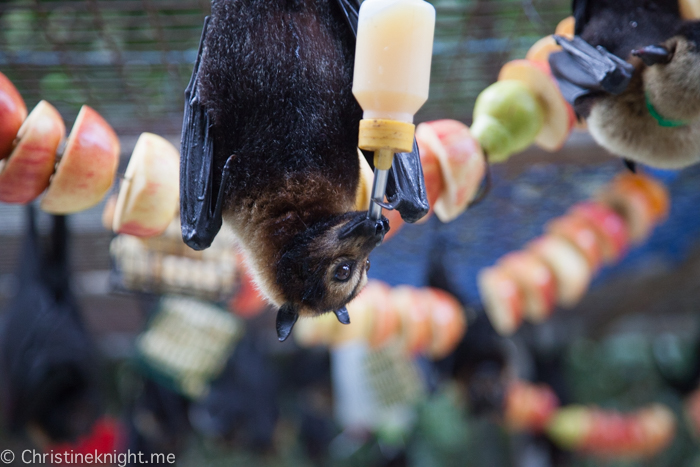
[(265, 224), (622, 124), (674, 89)]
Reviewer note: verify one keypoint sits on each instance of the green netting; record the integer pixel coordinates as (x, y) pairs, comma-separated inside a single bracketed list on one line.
[(131, 59)]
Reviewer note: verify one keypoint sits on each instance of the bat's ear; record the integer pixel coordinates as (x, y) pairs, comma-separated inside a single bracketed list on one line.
[(654, 55), (286, 318), (342, 315)]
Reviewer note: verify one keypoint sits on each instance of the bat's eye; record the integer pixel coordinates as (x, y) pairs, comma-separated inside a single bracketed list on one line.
[(367, 265), (343, 272)]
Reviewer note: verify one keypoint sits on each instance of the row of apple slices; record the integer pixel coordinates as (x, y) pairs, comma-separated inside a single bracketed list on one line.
[(75, 181), (557, 268), (613, 435), (424, 321), (601, 433)]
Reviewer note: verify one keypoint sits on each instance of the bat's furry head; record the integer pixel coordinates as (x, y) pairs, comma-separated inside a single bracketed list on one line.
[(325, 266), (672, 79)]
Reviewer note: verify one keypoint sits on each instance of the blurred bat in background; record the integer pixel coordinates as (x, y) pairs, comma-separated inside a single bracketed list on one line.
[(633, 72)]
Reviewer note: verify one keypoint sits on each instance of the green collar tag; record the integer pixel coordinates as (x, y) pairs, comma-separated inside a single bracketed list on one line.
[(661, 120)]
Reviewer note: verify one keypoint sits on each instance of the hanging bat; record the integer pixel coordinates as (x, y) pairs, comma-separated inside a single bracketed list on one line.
[(269, 144), (633, 72)]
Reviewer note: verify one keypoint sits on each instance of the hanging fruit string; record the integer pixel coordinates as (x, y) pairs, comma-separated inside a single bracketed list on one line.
[(590, 430), (558, 267), (422, 321), (72, 179)]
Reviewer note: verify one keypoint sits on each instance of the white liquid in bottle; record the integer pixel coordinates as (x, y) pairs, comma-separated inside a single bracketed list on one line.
[(392, 58)]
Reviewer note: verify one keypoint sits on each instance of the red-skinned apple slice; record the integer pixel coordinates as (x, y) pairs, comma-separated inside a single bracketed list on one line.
[(570, 267), (559, 116), (386, 322), (429, 144), (12, 113), (148, 198), (690, 9), (86, 170), (656, 192), (541, 50), (448, 323), (635, 208), (412, 306), (582, 235), (536, 281), (529, 407), (27, 172), (611, 228), (462, 165), (502, 299)]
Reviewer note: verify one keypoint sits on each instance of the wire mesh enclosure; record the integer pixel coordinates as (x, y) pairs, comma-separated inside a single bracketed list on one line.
[(131, 59)]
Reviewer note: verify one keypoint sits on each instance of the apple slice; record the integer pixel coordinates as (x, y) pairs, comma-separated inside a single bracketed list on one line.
[(412, 306), (317, 330), (86, 170), (448, 323), (529, 407), (656, 192), (541, 50), (12, 113), (559, 117), (535, 280), (570, 267), (610, 226), (429, 144), (502, 299), (386, 321), (108, 212), (632, 203), (361, 321), (463, 167), (364, 189), (566, 27), (582, 235), (27, 172), (148, 198), (690, 9)]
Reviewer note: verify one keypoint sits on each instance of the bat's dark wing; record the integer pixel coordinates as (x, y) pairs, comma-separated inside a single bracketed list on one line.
[(200, 203), (582, 14), (405, 189), (582, 69)]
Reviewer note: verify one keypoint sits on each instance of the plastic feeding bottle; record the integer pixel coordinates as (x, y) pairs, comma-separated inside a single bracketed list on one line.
[(391, 79)]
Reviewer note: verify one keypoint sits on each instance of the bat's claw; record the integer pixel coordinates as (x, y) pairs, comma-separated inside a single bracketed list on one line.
[(653, 55)]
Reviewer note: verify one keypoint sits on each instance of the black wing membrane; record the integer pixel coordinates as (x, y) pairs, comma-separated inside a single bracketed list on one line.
[(582, 69), (581, 13), (405, 189), (200, 211)]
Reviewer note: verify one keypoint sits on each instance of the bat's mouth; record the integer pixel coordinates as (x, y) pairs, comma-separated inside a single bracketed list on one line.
[(372, 230)]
